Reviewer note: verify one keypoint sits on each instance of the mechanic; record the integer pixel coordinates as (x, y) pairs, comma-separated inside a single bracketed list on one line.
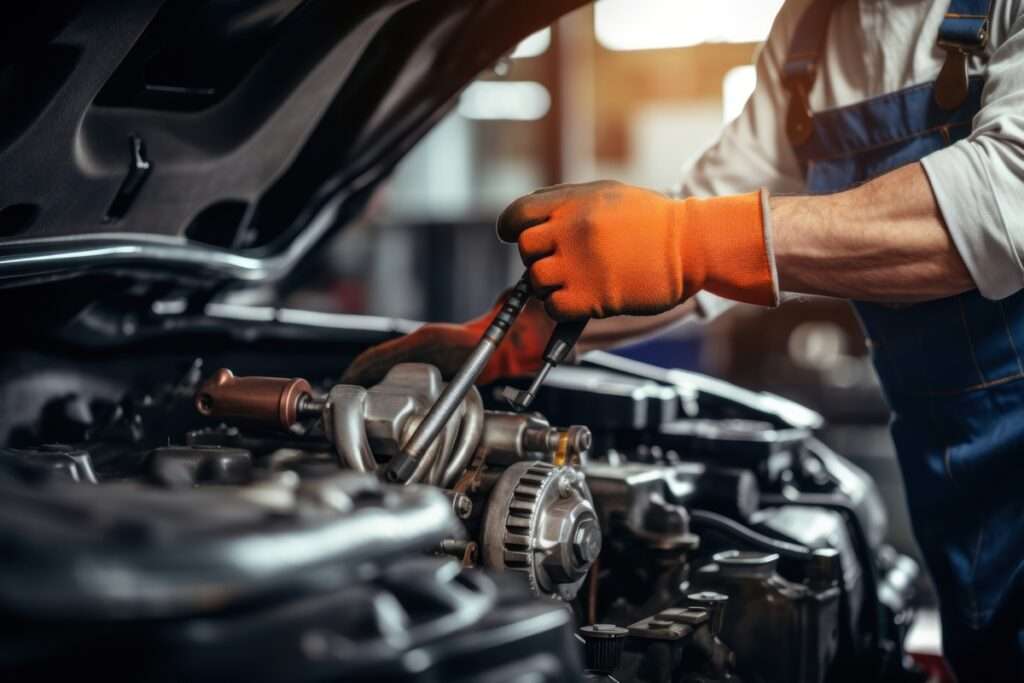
[(902, 123)]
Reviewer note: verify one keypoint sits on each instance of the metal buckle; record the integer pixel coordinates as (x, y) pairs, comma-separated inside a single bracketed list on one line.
[(799, 118), (951, 85)]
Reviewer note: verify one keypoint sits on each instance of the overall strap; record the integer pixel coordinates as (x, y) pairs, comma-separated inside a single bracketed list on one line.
[(964, 31), (965, 25), (801, 68)]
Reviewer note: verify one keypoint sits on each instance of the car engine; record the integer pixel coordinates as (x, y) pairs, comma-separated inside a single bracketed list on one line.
[(190, 491), (641, 525)]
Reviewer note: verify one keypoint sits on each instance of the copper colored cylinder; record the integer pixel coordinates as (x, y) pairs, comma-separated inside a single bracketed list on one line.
[(265, 399)]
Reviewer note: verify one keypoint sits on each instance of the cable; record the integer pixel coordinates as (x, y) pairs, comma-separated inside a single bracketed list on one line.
[(744, 533)]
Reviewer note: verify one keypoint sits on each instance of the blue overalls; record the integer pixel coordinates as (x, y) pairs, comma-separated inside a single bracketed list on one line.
[(951, 369)]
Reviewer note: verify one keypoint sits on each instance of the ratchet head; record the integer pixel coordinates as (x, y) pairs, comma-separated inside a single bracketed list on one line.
[(520, 399), (560, 346)]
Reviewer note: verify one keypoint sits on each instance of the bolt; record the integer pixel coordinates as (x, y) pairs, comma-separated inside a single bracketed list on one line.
[(463, 506), (580, 438), (715, 604), (586, 542)]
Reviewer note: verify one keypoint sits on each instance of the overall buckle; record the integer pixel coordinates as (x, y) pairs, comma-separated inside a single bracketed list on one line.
[(960, 36), (799, 118), (951, 85)]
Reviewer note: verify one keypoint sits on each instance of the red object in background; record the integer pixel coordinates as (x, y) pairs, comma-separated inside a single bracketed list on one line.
[(349, 295), (924, 644), (935, 666)]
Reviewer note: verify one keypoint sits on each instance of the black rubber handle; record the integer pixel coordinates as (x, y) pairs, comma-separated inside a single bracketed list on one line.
[(562, 341)]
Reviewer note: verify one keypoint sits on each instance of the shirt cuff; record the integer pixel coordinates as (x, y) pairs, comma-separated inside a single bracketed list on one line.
[(959, 178), (710, 306), (769, 246)]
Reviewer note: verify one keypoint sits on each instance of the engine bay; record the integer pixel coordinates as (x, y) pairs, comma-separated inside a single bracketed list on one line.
[(192, 491), (638, 525)]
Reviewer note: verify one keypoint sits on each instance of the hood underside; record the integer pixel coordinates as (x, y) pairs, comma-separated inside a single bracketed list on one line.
[(217, 138)]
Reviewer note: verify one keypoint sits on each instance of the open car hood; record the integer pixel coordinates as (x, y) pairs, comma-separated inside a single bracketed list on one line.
[(219, 140)]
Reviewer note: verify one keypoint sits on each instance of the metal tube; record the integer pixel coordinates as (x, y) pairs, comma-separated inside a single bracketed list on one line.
[(445, 445), (404, 464), (343, 422), (469, 438)]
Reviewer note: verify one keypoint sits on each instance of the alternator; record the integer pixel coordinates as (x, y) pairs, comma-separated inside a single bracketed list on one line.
[(540, 521)]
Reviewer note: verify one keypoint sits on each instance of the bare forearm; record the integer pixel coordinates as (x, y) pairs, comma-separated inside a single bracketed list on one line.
[(606, 333), (883, 241)]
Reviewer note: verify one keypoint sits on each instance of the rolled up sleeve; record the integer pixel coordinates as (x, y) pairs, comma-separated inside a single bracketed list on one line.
[(979, 181)]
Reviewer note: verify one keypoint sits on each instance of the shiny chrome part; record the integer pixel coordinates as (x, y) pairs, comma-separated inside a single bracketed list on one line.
[(294, 316), (462, 505), (540, 521), (343, 423), (311, 406), (469, 438), (362, 424), (520, 435), (512, 434), (402, 467), (397, 406), (408, 389)]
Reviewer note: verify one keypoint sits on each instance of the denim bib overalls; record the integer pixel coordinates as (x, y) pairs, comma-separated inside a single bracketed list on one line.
[(952, 369)]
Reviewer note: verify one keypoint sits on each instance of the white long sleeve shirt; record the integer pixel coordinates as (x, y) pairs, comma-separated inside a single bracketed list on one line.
[(874, 47)]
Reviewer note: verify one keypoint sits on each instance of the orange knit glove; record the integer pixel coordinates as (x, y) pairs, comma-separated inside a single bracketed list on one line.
[(448, 345), (604, 248)]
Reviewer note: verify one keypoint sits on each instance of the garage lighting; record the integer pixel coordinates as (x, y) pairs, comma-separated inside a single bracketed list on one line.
[(737, 87), (505, 100), (533, 45), (652, 24)]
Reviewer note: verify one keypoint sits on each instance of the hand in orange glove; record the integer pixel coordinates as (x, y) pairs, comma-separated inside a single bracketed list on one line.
[(448, 345), (604, 248)]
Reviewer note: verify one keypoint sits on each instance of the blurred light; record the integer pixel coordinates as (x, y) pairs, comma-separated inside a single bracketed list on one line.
[(505, 100), (533, 45), (817, 345), (652, 24), (737, 87)]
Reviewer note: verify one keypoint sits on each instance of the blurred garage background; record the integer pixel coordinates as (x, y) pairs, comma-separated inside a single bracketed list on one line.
[(620, 89)]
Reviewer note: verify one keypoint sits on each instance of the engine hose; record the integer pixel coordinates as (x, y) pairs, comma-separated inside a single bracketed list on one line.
[(734, 529), (469, 438), (861, 548), (344, 413)]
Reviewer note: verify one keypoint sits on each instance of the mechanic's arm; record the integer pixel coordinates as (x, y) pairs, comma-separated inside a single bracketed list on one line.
[(883, 241), (951, 223), (604, 249), (929, 230), (752, 151)]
